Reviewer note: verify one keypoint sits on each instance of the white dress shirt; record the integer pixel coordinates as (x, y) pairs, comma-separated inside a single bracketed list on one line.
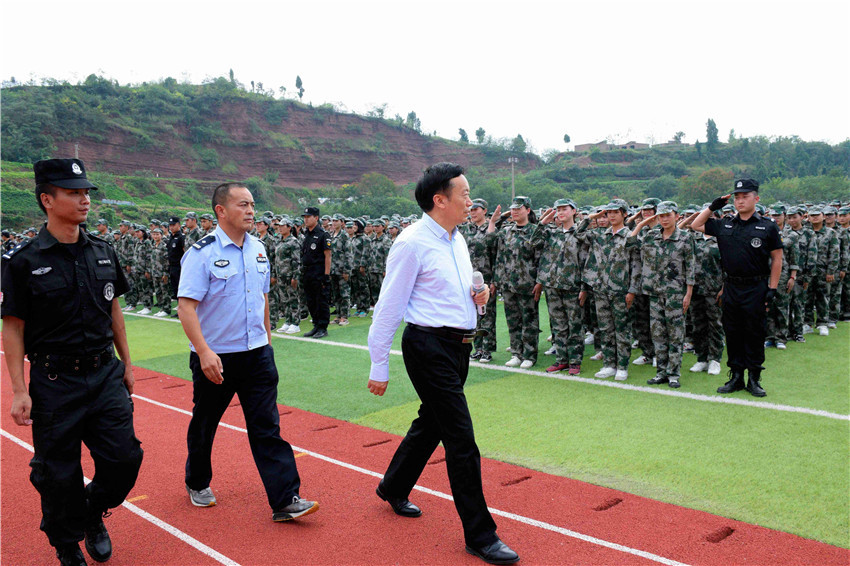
[(428, 282)]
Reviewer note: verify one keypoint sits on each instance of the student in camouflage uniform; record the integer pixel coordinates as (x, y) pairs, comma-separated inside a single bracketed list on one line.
[(777, 314), (830, 219), (844, 225), (359, 262), (287, 259), (340, 271), (515, 275), (562, 282), (705, 310), (475, 234), (206, 224), (807, 254), (618, 266), (640, 308), (103, 231), (267, 238), (142, 270), (826, 270), (159, 273), (590, 278), (124, 248), (667, 278), (193, 233), (380, 249)]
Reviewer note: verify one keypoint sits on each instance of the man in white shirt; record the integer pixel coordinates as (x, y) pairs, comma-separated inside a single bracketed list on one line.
[(429, 284)]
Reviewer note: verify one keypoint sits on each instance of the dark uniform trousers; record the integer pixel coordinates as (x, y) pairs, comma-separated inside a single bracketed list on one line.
[(318, 297), (438, 369), (252, 376), (70, 408), (745, 323), (174, 279)]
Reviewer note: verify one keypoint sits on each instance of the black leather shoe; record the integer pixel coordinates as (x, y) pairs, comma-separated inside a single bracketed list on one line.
[(311, 333), (496, 553), (98, 544), (321, 333), (401, 506), (657, 379), (70, 555), (735, 383), (753, 385)]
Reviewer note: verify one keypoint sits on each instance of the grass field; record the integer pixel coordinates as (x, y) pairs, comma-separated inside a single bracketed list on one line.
[(779, 469)]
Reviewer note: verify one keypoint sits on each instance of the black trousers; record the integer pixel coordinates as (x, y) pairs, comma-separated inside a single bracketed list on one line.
[(745, 323), (438, 368), (252, 376), (318, 298), (69, 409), (174, 279)]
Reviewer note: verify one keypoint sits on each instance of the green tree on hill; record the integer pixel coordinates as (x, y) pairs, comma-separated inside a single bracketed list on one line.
[(566, 138), (479, 135), (711, 135), (518, 144), (300, 86), (413, 122), (463, 137), (678, 137)]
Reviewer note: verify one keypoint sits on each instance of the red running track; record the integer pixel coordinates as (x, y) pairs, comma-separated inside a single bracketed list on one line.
[(339, 463)]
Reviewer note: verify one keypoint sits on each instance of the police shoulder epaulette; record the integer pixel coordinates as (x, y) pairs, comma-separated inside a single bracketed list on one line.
[(98, 238), (205, 241), (8, 255)]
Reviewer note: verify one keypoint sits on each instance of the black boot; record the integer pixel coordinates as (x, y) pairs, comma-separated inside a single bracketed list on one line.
[(753, 383), (98, 543), (735, 383), (70, 555)]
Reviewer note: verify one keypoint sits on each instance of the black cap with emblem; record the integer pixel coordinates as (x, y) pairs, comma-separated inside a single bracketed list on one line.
[(62, 173), (745, 186), (310, 211)]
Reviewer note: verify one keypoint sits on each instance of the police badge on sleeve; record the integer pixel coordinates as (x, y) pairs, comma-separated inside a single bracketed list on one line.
[(109, 291), (755, 242)]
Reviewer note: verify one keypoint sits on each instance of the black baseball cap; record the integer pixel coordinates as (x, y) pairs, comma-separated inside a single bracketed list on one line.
[(310, 211), (62, 173), (174, 220), (745, 186)]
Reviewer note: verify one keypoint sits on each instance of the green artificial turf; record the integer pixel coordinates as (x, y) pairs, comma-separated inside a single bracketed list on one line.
[(782, 470)]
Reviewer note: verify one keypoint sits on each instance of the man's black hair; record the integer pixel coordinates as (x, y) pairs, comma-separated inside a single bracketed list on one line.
[(435, 179), (44, 189), (221, 193)]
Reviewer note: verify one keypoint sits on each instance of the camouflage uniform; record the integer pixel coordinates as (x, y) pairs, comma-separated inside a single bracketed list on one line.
[(807, 257), (158, 269), (515, 274), (705, 311), (359, 281), (340, 265), (274, 306), (667, 268), (561, 277), (617, 262), (827, 264), (777, 314), (844, 303), (482, 260), (843, 263), (589, 277), (287, 260), (125, 248), (142, 264), (191, 237), (380, 249)]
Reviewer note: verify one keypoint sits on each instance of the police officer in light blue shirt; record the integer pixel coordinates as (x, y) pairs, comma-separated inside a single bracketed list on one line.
[(224, 308)]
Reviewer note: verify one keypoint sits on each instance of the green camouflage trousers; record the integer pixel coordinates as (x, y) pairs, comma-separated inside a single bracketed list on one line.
[(615, 324), (163, 294), (835, 299), (360, 294), (340, 295), (708, 330), (144, 290), (817, 301), (290, 311), (487, 322), (643, 334), (797, 306), (844, 308), (274, 306), (522, 316), (667, 323), (131, 297), (375, 282), (777, 314), (565, 318)]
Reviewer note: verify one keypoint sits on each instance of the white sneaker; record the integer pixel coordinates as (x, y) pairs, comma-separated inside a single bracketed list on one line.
[(642, 360), (597, 356), (551, 351), (526, 364), (509, 350), (713, 367), (605, 372), (550, 337), (830, 325), (588, 339), (284, 328), (807, 329), (654, 362), (128, 308), (635, 344), (295, 328), (699, 366), (823, 330), (161, 314), (145, 310), (621, 375), (780, 345), (513, 362)]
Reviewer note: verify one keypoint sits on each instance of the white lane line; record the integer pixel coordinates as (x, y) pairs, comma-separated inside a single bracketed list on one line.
[(613, 384), (513, 516), (193, 542)]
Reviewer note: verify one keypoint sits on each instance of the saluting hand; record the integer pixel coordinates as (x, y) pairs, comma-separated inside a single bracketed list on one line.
[(548, 216)]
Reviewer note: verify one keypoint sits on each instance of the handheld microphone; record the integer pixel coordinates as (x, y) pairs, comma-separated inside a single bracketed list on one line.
[(478, 286)]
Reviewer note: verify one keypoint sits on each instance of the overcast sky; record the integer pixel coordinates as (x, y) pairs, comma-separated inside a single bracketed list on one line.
[(592, 69)]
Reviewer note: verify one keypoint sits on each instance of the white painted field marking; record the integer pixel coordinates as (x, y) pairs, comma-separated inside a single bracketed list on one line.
[(612, 384), (193, 542)]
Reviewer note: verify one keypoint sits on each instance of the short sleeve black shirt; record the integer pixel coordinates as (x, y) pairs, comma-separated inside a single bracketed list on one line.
[(65, 298), (175, 248), (313, 250), (745, 245)]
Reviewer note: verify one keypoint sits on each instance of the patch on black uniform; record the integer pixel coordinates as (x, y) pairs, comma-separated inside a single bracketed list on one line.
[(205, 241), (16, 249)]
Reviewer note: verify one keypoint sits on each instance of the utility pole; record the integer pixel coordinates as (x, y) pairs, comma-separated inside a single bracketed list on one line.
[(512, 160), (76, 151)]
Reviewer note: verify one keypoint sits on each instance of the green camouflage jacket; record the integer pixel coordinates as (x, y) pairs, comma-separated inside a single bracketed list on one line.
[(480, 253), (667, 265), (708, 276), (617, 259), (807, 252), (287, 260), (560, 258), (159, 259), (191, 237), (380, 249), (359, 252), (516, 258), (340, 253), (828, 251), (142, 256), (790, 254), (844, 244)]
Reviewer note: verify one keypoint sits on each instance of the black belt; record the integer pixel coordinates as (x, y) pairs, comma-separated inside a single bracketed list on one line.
[(751, 279), (55, 363), (465, 336)]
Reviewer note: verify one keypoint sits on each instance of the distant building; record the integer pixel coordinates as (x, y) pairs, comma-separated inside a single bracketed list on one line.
[(672, 143), (605, 146)]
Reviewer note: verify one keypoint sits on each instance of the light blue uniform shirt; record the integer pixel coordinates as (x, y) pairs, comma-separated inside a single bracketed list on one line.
[(230, 284), (428, 282)]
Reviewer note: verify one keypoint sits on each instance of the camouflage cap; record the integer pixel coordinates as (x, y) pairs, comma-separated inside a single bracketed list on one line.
[(155, 222), (264, 219), (338, 216), (393, 224), (156, 231), (206, 216), (844, 210), (192, 215), (616, 204), (519, 202), (830, 210), (728, 208), (125, 223), (286, 221), (761, 208), (793, 210), (815, 210), (778, 208), (666, 206), (326, 217), (835, 203), (298, 221), (102, 221), (268, 213), (565, 202), (479, 203), (650, 203)]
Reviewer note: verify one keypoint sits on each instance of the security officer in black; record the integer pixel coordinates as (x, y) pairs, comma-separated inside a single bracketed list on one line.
[(751, 258), (175, 252), (316, 272), (60, 308)]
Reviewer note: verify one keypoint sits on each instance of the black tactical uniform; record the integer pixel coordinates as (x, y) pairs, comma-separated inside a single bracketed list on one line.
[(316, 282), (745, 247), (175, 253)]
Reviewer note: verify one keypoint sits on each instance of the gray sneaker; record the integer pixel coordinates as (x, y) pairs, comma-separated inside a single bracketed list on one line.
[(202, 498), (298, 508)]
